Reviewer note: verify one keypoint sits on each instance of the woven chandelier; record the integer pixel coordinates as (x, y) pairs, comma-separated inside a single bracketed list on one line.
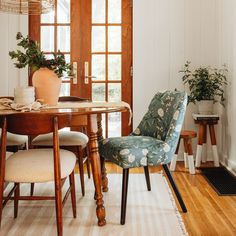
[(27, 7)]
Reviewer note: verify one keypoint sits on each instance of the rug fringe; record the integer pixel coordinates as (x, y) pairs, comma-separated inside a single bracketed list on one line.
[(179, 217)]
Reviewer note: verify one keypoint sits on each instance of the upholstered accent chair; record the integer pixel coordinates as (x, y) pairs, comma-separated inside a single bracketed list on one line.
[(152, 143), (70, 140)]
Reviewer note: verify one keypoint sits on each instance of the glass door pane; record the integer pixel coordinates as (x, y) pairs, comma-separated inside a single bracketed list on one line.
[(55, 35), (106, 58)]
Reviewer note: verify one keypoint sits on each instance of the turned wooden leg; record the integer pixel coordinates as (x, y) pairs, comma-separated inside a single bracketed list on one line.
[(104, 172), (96, 168), (104, 175)]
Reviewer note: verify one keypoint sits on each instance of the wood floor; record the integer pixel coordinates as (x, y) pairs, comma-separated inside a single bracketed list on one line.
[(208, 213)]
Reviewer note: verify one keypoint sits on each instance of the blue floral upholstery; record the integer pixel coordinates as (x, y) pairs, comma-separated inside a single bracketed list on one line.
[(155, 139)]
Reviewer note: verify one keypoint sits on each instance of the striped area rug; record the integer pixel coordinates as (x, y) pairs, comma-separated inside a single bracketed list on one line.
[(148, 213)]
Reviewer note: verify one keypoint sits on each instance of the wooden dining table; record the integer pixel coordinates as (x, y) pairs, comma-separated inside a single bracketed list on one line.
[(90, 117)]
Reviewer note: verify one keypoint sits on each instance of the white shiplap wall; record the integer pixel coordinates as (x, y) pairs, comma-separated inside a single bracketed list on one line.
[(10, 76), (166, 34), (227, 54)]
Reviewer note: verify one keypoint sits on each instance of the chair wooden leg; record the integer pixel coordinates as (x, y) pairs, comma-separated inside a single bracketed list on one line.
[(1, 198), (58, 195), (88, 162), (124, 195), (3, 142), (81, 169), (146, 171), (31, 189), (72, 193), (104, 175), (16, 199), (174, 186)]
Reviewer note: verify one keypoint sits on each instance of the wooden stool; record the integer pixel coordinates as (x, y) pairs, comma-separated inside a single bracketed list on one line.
[(187, 136), (203, 121)]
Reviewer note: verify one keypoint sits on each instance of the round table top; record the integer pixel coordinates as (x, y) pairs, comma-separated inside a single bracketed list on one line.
[(74, 111)]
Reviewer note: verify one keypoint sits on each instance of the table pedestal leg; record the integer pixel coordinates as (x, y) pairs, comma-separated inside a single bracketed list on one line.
[(96, 168), (214, 147), (103, 167), (199, 146)]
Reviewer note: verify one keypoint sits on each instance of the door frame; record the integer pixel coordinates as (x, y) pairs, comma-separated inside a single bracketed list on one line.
[(82, 39)]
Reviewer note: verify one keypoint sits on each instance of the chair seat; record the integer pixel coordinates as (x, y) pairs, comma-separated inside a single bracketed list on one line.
[(16, 140), (66, 138), (134, 151), (37, 165)]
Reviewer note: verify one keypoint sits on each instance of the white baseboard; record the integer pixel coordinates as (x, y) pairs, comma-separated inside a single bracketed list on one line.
[(229, 164)]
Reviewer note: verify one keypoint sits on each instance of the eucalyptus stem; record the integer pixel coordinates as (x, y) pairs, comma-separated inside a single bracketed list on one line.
[(32, 56)]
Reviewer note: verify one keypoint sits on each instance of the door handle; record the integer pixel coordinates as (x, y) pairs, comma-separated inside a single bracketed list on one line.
[(86, 73)]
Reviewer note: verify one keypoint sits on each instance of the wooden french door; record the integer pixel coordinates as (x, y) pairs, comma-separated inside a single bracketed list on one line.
[(96, 37)]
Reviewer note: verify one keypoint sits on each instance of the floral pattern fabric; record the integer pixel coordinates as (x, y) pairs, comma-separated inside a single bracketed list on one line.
[(155, 139)]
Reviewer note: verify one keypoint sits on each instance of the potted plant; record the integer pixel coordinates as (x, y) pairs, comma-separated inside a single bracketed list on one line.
[(206, 86), (46, 72)]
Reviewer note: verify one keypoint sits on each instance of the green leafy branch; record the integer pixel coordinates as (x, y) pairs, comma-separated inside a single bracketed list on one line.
[(32, 56)]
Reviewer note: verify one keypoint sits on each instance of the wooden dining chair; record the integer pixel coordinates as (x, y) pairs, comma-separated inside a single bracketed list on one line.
[(15, 142), (37, 165), (153, 143), (71, 140)]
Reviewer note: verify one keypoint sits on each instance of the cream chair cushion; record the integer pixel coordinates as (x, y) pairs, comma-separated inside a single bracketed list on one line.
[(66, 138), (15, 139), (37, 165)]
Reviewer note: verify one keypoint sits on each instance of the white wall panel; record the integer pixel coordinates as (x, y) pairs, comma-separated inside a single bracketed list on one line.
[(227, 54), (11, 76), (166, 34)]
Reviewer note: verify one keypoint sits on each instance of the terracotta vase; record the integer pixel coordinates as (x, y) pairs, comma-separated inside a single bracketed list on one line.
[(47, 86)]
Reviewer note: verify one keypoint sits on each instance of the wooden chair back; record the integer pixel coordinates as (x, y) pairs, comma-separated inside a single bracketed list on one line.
[(72, 99), (8, 97), (36, 123)]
